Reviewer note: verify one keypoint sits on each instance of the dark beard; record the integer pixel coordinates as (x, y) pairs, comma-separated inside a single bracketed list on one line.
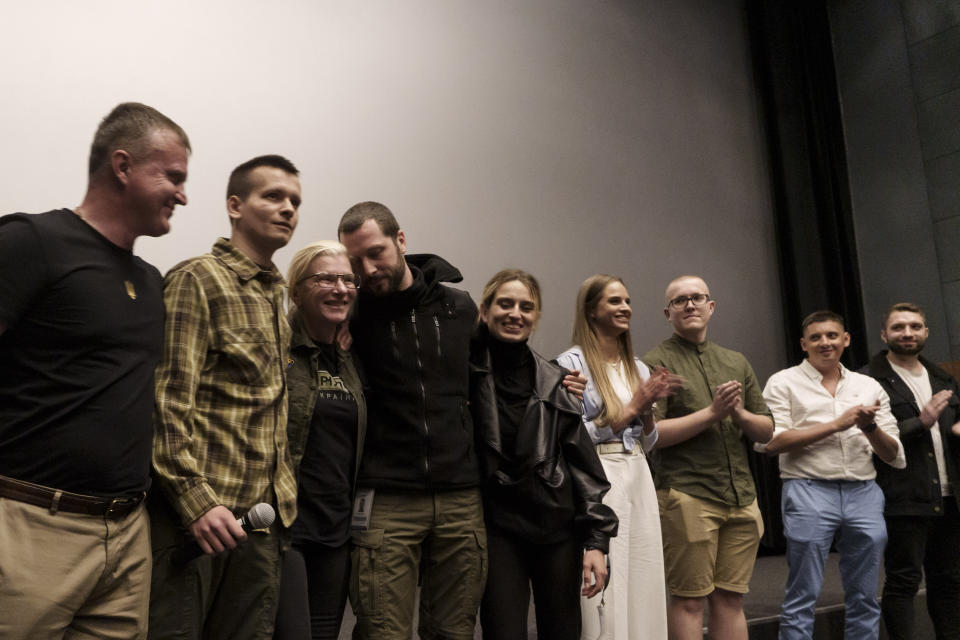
[(395, 279), (903, 351), (396, 276)]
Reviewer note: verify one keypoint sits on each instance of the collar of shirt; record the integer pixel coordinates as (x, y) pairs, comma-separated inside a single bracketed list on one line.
[(686, 344), (815, 375), (245, 268)]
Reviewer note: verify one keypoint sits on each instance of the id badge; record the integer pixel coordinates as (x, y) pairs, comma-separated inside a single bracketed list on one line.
[(362, 508)]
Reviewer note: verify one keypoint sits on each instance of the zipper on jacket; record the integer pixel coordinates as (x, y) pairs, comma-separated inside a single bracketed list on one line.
[(436, 326), (396, 343), (423, 393)]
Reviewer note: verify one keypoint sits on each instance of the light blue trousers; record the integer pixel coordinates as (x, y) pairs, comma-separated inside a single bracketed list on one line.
[(813, 510)]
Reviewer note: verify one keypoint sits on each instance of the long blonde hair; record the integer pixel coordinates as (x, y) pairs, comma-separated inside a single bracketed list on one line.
[(584, 334)]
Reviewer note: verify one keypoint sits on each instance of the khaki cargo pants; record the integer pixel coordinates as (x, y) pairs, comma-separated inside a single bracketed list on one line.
[(437, 534)]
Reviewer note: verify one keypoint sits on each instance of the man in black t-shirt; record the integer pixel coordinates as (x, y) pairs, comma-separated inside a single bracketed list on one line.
[(81, 327)]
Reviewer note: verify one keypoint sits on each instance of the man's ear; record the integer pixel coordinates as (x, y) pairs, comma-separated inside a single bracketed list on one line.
[(120, 164), (883, 335), (401, 241), (666, 313), (233, 208), (846, 339)]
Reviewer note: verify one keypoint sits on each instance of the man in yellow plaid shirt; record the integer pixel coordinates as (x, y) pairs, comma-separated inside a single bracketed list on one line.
[(220, 442)]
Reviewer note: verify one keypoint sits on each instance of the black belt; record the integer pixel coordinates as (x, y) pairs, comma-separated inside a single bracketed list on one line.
[(56, 500)]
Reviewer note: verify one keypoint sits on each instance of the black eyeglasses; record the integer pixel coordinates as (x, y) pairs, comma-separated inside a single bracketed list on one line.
[(698, 299), (326, 280)]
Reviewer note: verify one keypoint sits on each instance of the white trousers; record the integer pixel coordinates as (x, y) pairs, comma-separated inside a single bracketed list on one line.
[(635, 603)]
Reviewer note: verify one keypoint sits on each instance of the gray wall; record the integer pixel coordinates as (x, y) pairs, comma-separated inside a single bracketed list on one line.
[(560, 136), (898, 71)]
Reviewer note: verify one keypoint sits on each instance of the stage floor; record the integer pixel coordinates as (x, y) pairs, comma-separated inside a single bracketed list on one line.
[(762, 604)]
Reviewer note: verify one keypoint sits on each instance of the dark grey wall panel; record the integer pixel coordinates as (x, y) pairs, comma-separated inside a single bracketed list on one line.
[(940, 123), (894, 229), (936, 63), (925, 18), (943, 175)]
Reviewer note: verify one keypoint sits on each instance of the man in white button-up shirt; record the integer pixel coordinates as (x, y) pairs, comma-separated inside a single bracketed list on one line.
[(829, 421)]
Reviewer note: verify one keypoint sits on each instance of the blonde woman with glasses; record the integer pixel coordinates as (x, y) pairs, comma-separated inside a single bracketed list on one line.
[(326, 427), (618, 414)]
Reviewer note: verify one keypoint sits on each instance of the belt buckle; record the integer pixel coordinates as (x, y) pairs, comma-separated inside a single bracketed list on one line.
[(116, 502), (116, 505)]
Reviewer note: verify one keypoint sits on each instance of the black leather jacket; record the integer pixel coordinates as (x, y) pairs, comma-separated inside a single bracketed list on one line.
[(554, 485), (915, 490)]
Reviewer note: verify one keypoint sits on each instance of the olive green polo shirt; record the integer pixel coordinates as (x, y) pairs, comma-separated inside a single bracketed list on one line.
[(712, 465)]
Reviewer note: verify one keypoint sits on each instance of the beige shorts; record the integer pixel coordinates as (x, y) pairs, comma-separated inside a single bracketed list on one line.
[(707, 545)]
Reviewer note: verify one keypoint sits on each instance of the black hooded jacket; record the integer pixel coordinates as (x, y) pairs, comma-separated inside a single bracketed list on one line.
[(414, 345)]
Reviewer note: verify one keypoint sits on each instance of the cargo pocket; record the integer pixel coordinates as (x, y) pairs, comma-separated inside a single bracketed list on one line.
[(365, 579), (477, 572)]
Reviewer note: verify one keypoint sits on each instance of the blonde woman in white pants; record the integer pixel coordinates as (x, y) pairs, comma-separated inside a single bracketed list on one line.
[(618, 414)]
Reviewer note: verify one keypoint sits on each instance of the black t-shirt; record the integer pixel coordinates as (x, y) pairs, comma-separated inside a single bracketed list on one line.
[(84, 329), (324, 496)]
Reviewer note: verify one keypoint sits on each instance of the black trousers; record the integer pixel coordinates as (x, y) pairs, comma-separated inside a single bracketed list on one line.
[(555, 572), (313, 592), (923, 547)]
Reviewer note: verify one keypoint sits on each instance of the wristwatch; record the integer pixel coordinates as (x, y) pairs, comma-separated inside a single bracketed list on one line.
[(870, 428)]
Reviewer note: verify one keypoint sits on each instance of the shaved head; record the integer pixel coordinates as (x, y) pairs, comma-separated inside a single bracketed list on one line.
[(684, 280)]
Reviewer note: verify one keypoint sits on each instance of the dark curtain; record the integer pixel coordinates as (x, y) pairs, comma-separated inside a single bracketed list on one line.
[(800, 108)]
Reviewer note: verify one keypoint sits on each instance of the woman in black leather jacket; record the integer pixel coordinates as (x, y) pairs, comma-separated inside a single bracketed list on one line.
[(542, 480)]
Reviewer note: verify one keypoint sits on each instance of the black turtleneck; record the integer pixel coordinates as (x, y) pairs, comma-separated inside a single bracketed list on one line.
[(513, 376)]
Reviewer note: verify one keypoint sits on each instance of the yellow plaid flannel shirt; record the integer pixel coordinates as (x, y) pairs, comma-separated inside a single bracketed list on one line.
[(220, 423)]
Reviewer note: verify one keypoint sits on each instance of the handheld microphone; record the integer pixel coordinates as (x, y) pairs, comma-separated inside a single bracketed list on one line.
[(260, 516)]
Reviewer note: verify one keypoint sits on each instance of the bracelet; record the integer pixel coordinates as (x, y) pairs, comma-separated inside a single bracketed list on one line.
[(870, 428)]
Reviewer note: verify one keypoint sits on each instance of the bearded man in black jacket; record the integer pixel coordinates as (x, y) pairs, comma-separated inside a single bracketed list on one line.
[(923, 523), (412, 334)]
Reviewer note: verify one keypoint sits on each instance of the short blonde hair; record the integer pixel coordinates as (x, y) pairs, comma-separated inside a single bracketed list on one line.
[(666, 292), (300, 264)]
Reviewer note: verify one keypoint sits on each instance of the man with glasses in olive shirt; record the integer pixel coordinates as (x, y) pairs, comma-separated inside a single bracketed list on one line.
[(702, 474)]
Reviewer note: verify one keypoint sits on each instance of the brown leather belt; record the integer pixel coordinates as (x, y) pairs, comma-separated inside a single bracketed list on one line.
[(56, 500)]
